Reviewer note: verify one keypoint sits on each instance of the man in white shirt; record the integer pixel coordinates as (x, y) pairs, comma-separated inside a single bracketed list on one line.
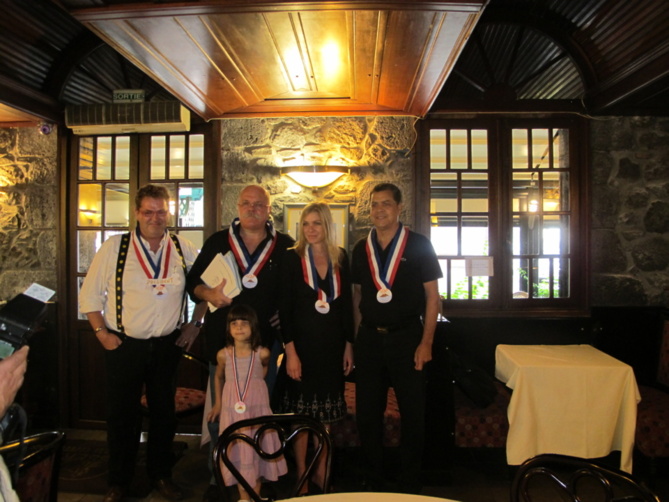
[(134, 298)]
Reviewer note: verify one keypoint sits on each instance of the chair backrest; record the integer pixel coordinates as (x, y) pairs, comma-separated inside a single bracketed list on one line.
[(288, 427), (561, 477), (39, 465)]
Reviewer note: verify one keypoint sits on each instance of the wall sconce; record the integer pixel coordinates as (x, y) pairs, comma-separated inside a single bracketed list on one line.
[(314, 176)]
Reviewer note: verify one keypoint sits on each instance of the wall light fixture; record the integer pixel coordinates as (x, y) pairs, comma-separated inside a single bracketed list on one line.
[(314, 176)]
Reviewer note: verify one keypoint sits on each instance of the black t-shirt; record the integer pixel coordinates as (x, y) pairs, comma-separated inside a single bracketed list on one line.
[(418, 265), (263, 298)]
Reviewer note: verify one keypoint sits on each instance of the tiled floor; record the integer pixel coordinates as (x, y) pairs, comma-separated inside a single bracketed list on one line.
[(477, 476)]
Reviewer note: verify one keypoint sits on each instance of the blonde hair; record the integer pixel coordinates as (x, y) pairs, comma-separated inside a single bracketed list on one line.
[(323, 212)]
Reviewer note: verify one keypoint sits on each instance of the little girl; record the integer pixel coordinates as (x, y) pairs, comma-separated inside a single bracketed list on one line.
[(241, 393)]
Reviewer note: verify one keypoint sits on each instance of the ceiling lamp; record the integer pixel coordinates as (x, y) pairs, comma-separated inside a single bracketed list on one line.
[(314, 176)]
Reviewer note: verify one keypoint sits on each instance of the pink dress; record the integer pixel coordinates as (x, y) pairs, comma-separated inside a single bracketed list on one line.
[(244, 458)]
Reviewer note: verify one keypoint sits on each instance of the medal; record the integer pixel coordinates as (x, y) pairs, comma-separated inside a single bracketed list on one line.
[(249, 281), (383, 274), (157, 278), (310, 274), (248, 264), (322, 307), (240, 406), (384, 295)]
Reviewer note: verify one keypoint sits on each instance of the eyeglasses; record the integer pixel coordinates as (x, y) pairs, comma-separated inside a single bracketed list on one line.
[(162, 213), (252, 205)]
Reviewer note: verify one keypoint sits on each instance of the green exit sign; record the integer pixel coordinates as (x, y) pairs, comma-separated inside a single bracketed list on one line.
[(128, 96)]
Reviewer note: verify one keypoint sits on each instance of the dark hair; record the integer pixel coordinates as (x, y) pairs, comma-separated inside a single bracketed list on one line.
[(152, 191), (244, 313), (382, 187)]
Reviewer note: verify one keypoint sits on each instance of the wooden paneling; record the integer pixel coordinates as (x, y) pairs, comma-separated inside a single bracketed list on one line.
[(224, 59)]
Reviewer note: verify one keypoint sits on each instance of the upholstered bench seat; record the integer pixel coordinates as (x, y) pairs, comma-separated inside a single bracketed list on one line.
[(652, 423), (477, 427), (345, 432)]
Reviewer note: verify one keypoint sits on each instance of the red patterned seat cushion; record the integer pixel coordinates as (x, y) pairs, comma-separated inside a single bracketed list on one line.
[(345, 432), (652, 423), (481, 427)]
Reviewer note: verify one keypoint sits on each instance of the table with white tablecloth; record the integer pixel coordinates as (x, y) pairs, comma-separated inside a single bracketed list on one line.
[(568, 399)]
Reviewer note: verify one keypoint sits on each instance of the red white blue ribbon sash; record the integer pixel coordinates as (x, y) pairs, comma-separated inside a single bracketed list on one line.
[(153, 270), (241, 393), (248, 263), (383, 274), (311, 277)]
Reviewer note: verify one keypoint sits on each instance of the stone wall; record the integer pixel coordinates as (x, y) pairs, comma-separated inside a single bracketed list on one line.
[(379, 149), (28, 210), (630, 211)]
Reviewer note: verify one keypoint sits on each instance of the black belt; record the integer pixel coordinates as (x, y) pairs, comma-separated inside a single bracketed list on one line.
[(385, 329)]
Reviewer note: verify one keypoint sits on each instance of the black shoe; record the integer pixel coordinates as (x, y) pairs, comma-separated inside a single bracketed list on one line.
[(212, 494), (114, 494), (168, 489)]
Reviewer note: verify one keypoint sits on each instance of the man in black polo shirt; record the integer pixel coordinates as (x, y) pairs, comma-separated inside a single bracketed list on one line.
[(258, 249), (396, 303)]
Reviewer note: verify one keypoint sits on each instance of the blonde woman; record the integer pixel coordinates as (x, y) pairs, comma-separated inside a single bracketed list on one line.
[(317, 325)]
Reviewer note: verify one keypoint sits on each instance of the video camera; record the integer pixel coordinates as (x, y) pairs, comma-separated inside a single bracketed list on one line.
[(19, 319)]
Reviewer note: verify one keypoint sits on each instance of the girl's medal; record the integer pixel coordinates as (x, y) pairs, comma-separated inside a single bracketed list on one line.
[(310, 273), (240, 405), (383, 274)]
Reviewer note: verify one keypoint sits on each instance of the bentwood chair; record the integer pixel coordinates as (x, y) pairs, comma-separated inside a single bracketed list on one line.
[(38, 460), (288, 427), (565, 478)]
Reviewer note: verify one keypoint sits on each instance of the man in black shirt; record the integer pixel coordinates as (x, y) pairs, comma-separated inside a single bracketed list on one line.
[(396, 303), (258, 249)]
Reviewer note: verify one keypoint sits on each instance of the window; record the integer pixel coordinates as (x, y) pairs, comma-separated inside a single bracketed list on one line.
[(506, 212), (109, 172)]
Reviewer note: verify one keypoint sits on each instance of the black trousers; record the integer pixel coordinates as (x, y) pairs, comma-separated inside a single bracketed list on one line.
[(380, 360), (130, 367)]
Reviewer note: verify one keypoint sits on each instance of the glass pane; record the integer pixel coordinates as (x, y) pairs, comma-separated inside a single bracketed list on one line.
[(157, 157), (122, 167), (541, 146), (196, 157), (195, 236), (80, 316), (89, 241), (459, 281), (541, 286), (526, 235), (555, 191), (561, 148), (444, 237), (525, 192), (443, 282), (519, 286), (103, 162), (459, 149), (444, 193), (475, 193), (172, 190), (475, 236), (479, 149), (480, 287), (177, 157), (117, 205), (520, 149), (90, 205), (86, 145), (191, 205), (437, 149), (108, 233), (561, 278)]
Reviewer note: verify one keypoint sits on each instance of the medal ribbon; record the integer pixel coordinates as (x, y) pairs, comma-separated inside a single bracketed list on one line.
[(241, 395), (383, 274), (144, 257), (310, 277), (244, 259)]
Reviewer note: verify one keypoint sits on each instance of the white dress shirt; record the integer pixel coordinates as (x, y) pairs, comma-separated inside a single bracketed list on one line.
[(145, 314)]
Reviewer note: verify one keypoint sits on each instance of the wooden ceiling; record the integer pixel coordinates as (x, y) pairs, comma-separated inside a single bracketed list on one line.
[(257, 58)]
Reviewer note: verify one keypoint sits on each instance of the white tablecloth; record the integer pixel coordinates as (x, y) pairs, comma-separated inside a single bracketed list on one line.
[(367, 497), (568, 399)]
